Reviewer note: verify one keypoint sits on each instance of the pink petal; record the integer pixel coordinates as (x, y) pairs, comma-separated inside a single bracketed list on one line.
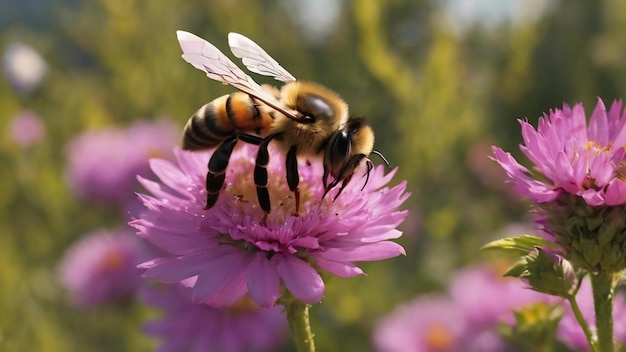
[(300, 278), (593, 197), (364, 252), (344, 270), (218, 273), (615, 193), (599, 125), (263, 280), (172, 270), (230, 294)]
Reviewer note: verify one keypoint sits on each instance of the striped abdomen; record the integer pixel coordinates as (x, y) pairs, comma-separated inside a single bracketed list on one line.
[(216, 121)]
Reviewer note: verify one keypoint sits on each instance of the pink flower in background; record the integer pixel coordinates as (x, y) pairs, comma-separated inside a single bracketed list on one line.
[(103, 164), (572, 157), (27, 128), (488, 298), (231, 249), (479, 300), (428, 323), (569, 331), (24, 67), (101, 266), (185, 326)]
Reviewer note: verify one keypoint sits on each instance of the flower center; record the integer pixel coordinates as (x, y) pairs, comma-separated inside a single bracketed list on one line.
[(244, 305), (282, 200), (113, 261), (439, 338)]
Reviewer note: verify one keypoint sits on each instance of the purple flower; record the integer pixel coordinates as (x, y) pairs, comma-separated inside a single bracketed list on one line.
[(428, 323), (103, 164), (186, 326), (569, 331), (231, 249), (579, 186), (27, 128), (572, 157), (24, 67), (489, 299), (479, 300), (100, 267)]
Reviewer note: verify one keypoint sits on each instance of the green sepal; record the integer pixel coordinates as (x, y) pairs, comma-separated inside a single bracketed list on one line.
[(520, 245)]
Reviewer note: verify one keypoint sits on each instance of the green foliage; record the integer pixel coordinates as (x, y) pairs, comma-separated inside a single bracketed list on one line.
[(437, 100)]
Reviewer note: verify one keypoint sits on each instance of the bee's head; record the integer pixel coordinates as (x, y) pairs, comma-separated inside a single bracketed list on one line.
[(345, 151)]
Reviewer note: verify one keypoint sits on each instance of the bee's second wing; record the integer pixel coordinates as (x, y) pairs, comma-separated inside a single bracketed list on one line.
[(256, 59), (206, 57)]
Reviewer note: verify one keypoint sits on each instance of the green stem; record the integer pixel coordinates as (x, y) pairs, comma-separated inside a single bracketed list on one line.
[(298, 317), (583, 323), (603, 285)]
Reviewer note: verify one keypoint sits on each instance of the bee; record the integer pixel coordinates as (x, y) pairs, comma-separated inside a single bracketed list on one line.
[(304, 119)]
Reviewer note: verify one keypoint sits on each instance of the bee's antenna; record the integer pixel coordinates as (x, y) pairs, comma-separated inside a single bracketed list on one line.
[(380, 155)]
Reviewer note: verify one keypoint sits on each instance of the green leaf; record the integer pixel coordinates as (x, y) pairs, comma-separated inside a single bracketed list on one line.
[(518, 269), (519, 245)]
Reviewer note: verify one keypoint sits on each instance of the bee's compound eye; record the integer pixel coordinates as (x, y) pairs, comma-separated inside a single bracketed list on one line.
[(314, 107)]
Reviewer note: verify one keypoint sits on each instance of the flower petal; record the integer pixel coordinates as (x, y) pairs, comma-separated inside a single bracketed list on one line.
[(300, 278), (218, 273), (263, 280), (615, 193)]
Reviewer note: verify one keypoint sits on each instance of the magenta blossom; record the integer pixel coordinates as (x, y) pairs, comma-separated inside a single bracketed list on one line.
[(186, 326), (103, 164), (572, 157), (101, 266), (231, 249), (428, 323), (469, 317), (472, 287), (27, 128)]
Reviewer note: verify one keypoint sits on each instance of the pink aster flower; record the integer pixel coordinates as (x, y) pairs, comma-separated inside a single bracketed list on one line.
[(428, 323), (26, 128), (231, 249), (471, 288), (186, 326), (103, 164), (579, 184), (101, 266), (572, 157), (479, 301)]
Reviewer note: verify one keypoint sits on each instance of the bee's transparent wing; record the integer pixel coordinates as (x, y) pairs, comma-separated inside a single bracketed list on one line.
[(256, 59), (206, 57)]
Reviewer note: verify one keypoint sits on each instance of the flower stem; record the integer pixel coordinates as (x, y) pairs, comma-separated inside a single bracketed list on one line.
[(298, 317), (603, 285), (583, 323)]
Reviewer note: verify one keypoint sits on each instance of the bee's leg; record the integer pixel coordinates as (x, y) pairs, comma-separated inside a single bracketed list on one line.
[(248, 138), (347, 171), (217, 170), (293, 177), (260, 174)]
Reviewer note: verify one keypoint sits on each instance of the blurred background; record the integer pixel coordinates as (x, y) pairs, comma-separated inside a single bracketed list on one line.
[(441, 81)]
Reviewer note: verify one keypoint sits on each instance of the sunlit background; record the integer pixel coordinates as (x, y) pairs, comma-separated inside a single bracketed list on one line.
[(441, 81)]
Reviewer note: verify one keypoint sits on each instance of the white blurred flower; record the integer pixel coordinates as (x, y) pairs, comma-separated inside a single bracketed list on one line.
[(23, 66)]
